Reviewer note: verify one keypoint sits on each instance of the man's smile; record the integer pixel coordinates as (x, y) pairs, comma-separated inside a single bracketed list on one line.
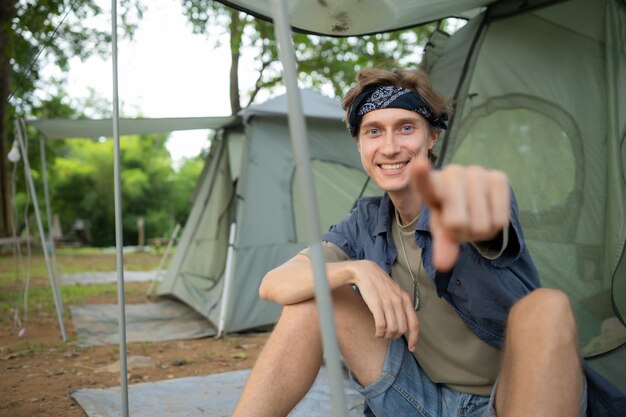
[(392, 167)]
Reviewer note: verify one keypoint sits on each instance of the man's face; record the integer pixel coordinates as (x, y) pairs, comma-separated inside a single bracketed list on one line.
[(390, 141)]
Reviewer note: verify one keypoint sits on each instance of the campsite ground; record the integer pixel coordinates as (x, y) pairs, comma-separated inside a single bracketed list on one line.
[(38, 370)]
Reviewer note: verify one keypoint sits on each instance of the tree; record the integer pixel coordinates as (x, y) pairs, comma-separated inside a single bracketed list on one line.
[(82, 183), (321, 60), (34, 34)]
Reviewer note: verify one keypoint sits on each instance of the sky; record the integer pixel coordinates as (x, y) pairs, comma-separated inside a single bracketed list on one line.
[(166, 71)]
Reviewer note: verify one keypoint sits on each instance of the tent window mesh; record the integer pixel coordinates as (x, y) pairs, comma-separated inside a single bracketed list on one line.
[(337, 188), (531, 148)]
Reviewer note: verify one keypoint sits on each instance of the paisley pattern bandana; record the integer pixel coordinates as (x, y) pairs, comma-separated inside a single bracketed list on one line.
[(382, 97)]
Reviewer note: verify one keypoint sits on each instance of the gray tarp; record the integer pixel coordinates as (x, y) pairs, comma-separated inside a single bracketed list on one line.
[(97, 324), (202, 396), (106, 277)]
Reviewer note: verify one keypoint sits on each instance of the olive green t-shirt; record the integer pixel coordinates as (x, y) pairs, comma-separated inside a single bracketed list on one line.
[(447, 350)]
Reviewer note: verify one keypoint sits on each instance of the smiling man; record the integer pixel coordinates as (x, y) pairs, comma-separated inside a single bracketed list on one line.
[(425, 280)]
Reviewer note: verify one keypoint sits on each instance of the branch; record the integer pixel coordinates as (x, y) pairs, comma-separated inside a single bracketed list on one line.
[(259, 84)]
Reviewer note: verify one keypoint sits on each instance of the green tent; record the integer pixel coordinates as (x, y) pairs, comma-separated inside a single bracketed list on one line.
[(246, 218), (542, 96)]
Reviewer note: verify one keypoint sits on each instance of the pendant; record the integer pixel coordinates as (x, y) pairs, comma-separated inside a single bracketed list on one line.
[(416, 297)]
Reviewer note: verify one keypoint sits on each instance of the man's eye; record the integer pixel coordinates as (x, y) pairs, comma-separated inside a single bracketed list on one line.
[(373, 131), (407, 128)]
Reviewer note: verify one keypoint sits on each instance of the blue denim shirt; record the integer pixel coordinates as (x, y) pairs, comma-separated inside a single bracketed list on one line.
[(482, 291)]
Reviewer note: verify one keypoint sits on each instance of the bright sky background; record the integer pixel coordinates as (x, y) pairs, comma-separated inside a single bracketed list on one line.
[(166, 71)]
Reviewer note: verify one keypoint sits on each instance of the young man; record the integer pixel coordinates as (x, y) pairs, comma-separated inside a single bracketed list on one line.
[(425, 279)]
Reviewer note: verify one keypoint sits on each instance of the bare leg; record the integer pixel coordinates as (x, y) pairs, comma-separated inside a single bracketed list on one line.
[(541, 374), (292, 356)]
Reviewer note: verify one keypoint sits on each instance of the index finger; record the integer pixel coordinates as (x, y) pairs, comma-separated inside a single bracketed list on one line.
[(425, 183)]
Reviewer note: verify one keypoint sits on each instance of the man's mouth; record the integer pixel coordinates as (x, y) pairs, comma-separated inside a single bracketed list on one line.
[(392, 167)]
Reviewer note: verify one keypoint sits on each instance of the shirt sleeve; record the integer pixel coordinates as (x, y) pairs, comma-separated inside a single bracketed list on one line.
[(332, 253), (344, 235), (495, 248), (515, 244)]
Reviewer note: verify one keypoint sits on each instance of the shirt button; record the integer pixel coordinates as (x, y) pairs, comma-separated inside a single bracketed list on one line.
[(387, 261), (458, 283)]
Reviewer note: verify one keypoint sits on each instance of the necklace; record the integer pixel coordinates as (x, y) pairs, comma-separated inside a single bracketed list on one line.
[(416, 295)]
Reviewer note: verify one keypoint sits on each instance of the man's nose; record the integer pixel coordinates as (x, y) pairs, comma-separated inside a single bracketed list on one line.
[(390, 144)]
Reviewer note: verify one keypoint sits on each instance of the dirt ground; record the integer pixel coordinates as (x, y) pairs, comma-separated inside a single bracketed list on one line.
[(38, 370)]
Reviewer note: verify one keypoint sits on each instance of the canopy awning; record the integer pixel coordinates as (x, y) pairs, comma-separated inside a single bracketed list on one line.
[(359, 17), (62, 129)]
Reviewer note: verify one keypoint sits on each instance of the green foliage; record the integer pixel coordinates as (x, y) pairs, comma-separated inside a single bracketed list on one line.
[(82, 187), (183, 185)]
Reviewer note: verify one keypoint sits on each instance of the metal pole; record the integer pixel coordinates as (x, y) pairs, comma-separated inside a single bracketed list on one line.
[(297, 127), (56, 294), (228, 279), (119, 244), (46, 195)]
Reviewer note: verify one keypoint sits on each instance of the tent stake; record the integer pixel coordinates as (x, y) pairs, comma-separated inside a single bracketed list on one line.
[(56, 293), (297, 128), (119, 244)]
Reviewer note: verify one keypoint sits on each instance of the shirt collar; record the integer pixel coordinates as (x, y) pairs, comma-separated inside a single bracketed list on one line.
[(385, 211), (383, 222)]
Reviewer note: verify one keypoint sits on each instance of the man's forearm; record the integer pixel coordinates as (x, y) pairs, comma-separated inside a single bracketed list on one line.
[(292, 282)]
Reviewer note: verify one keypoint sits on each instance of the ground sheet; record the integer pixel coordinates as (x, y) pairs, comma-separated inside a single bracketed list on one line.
[(212, 395), (97, 324), (90, 278)]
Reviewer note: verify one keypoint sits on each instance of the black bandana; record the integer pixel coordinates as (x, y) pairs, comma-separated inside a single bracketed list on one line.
[(382, 97)]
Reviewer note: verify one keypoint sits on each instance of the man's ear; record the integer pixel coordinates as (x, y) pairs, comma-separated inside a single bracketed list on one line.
[(358, 143), (434, 137)]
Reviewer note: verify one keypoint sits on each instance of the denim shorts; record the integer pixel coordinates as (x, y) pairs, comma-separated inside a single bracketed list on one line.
[(404, 389)]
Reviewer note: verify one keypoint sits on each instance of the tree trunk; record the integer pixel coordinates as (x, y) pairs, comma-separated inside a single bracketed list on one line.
[(235, 45), (7, 13)]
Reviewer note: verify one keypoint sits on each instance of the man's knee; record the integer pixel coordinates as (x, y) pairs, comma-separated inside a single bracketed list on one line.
[(544, 313)]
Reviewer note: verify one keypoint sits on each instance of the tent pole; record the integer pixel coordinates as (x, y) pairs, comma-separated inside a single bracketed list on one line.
[(56, 293), (228, 279), (46, 194), (119, 244), (297, 127)]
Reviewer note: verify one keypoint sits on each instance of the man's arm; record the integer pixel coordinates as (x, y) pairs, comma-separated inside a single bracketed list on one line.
[(391, 307), (292, 282)]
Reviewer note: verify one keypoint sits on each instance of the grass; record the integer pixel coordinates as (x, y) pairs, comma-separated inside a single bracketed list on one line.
[(69, 260)]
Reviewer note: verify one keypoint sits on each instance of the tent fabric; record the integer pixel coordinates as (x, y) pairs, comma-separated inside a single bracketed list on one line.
[(361, 17), (250, 179), (64, 129), (317, 106), (542, 96)]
